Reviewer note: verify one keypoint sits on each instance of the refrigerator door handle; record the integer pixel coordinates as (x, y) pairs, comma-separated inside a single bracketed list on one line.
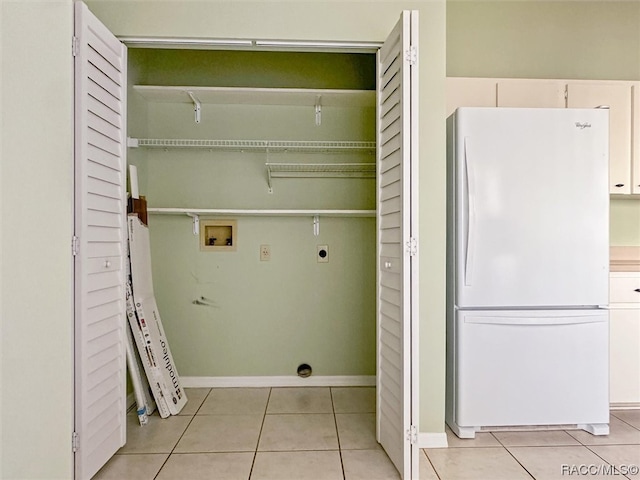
[(471, 214)]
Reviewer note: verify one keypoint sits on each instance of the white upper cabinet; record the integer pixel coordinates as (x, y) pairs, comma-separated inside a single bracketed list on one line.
[(622, 98), (616, 96), (470, 92), (531, 93)]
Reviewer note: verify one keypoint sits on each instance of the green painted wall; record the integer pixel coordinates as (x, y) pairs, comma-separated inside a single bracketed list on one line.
[(597, 40), (352, 21), (266, 318), (625, 222), (241, 68), (544, 39)]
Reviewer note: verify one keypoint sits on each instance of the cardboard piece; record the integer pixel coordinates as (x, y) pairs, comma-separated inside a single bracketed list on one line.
[(156, 346), (139, 207)]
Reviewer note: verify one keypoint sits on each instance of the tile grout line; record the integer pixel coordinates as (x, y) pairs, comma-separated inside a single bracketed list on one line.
[(519, 463), (600, 456), (503, 447), (623, 421), (264, 416), (424, 452), (182, 435), (335, 421), (513, 456)]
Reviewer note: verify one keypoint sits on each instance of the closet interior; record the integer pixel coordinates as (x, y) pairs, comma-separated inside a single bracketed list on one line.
[(259, 172)]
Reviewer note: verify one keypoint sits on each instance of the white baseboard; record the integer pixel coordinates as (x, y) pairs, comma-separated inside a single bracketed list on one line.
[(432, 440), (282, 381), (625, 406)]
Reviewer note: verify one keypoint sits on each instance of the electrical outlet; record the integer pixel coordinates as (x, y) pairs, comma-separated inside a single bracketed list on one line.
[(265, 253), (323, 253)]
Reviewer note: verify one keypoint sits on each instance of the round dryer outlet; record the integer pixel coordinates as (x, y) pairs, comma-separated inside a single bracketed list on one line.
[(323, 254)]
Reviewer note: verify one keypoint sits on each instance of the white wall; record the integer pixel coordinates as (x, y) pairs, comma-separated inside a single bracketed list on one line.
[(36, 269)]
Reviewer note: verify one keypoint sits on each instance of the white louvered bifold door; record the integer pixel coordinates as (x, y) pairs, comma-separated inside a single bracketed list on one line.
[(397, 244), (100, 255)]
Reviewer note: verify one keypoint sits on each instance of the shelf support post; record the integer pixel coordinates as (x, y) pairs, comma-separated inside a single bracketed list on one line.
[(196, 223)]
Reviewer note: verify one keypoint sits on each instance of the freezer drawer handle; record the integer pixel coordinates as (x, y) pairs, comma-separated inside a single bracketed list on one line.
[(552, 321)]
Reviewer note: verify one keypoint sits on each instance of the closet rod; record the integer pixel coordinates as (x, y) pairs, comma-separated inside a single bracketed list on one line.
[(256, 44)]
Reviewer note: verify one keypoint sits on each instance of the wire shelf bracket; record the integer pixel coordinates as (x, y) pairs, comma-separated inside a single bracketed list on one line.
[(197, 107), (196, 222)]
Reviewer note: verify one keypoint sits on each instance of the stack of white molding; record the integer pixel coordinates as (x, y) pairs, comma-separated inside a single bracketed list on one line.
[(148, 333)]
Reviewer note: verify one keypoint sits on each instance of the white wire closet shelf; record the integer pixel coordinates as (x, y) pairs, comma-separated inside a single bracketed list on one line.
[(319, 170), (256, 212), (256, 145), (362, 170), (195, 214)]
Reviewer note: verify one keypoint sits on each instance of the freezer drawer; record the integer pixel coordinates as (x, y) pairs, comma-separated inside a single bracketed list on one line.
[(531, 368)]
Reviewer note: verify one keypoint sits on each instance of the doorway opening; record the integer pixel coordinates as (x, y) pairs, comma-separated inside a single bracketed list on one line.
[(258, 143)]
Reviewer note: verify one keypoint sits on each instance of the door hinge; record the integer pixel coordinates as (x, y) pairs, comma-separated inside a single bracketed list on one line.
[(74, 442), (74, 45), (75, 245), (412, 246), (412, 435), (411, 55)]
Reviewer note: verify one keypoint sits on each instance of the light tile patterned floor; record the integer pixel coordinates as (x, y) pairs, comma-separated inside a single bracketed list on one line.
[(329, 433)]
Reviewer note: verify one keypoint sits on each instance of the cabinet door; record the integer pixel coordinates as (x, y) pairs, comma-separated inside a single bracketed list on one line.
[(531, 93), (635, 166), (624, 288), (624, 351), (618, 98), (470, 92)]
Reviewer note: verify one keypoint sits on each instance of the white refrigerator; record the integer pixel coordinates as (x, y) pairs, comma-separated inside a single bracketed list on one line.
[(527, 269)]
